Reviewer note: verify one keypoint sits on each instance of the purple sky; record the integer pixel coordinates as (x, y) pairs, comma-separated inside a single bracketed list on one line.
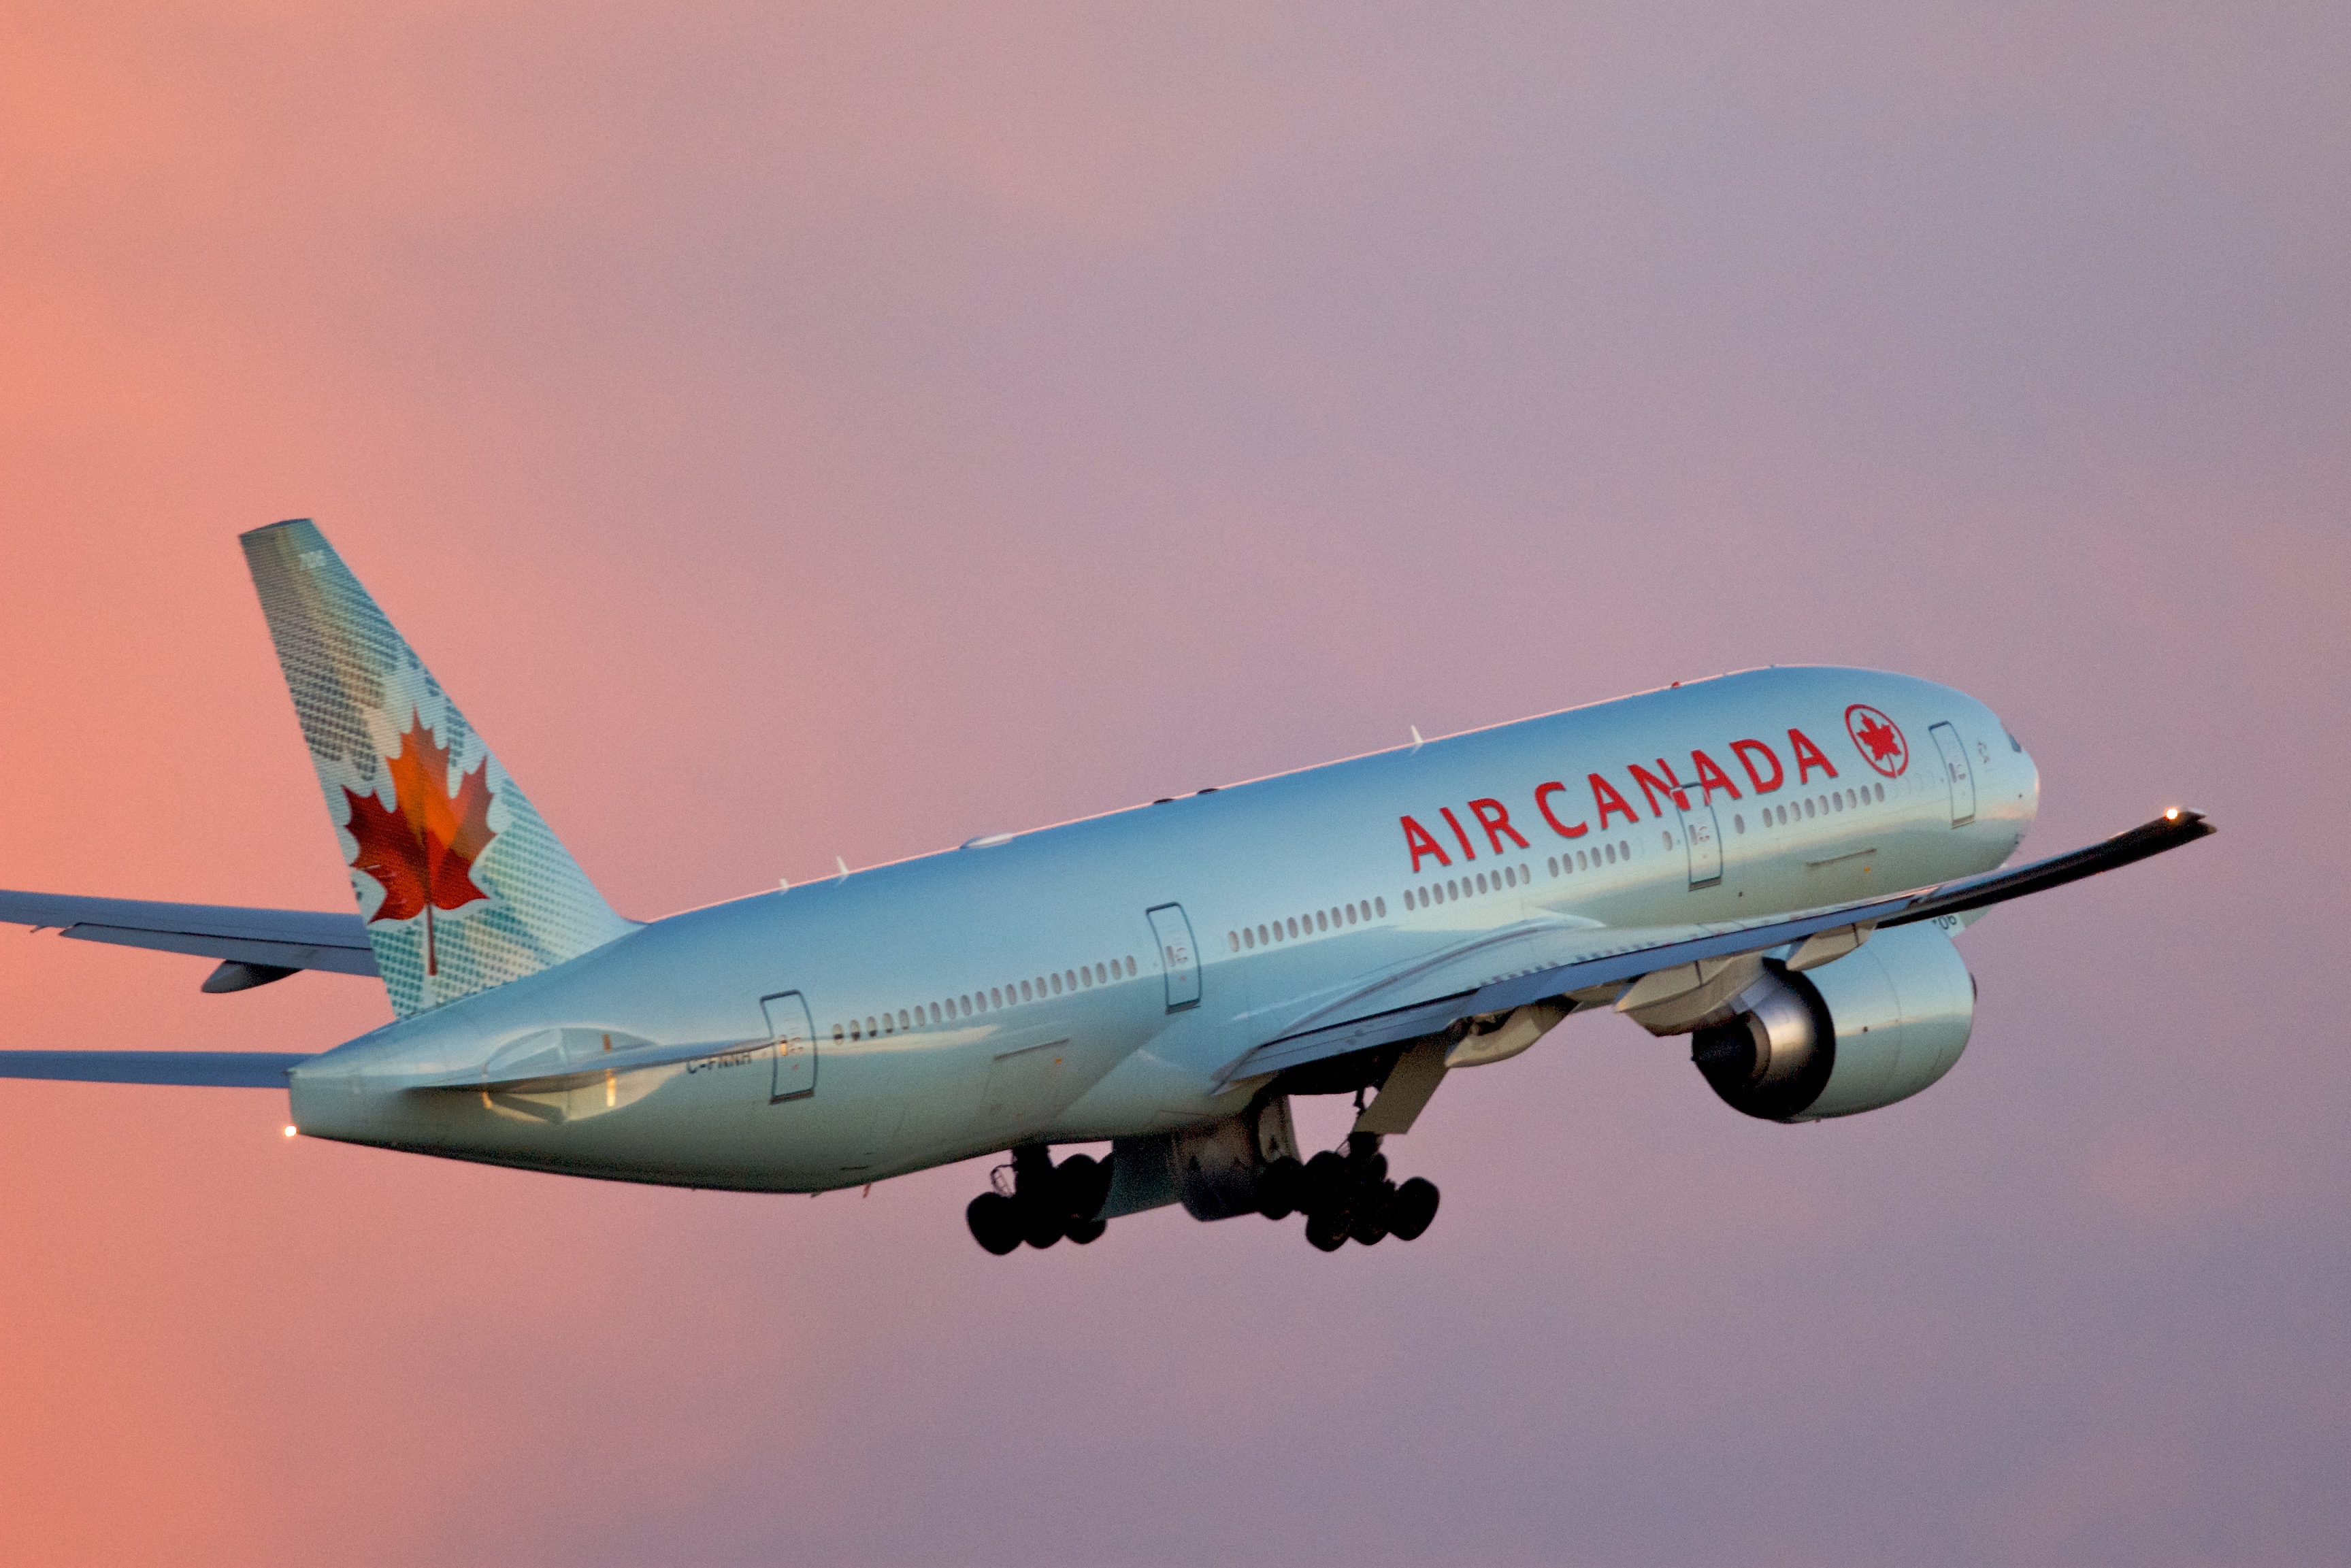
[(796, 433)]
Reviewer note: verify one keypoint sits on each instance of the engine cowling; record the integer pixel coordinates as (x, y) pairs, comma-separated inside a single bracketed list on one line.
[(1212, 1171), (1873, 1027)]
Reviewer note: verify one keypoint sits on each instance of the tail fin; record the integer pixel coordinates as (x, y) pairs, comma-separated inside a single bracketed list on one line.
[(462, 885)]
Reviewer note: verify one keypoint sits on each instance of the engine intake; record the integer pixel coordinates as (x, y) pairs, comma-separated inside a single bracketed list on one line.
[(1873, 1027)]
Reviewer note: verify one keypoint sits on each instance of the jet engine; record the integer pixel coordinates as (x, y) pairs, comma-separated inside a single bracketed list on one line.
[(1874, 1026)]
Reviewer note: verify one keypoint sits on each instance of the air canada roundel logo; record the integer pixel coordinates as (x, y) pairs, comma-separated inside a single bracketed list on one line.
[(1879, 738)]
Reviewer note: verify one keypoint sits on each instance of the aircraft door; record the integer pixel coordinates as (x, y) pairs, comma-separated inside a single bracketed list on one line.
[(1178, 959), (1957, 773), (795, 1038), (1702, 831)]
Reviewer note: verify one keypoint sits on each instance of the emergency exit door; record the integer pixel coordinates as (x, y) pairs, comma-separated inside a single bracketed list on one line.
[(1957, 774), (1702, 831), (1177, 958), (795, 1041)]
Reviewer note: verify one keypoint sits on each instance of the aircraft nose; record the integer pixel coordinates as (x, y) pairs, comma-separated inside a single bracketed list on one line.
[(2028, 773)]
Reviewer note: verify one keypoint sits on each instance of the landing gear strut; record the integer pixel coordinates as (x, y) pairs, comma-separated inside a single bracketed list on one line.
[(1046, 1201), (1347, 1195)]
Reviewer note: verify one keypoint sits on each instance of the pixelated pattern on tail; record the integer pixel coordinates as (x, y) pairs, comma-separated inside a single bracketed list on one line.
[(462, 884)]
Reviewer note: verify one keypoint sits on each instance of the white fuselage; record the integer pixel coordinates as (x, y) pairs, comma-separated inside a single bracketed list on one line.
[(1020, 939)]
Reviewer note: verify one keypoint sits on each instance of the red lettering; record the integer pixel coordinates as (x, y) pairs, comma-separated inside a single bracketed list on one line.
[(1604, 795), (1711, 778), (1496, 821), (1809, 757), (1746, 752), (1416, 839), (1651, 785), (1467, 852), (1543, 803)]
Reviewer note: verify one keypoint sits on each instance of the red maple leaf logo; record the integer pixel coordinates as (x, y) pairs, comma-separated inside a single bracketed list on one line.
[(1878, 738), (422, 851)]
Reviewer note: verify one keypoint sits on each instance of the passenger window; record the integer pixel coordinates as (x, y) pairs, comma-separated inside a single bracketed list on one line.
[(1024, 992), (836, 1031), (1383, 907), (1738, 823), (1350, 914)]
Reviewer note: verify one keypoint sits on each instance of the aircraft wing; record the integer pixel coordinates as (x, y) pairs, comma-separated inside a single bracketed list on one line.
[(255, 946), (1623, 955), (211, 1069)]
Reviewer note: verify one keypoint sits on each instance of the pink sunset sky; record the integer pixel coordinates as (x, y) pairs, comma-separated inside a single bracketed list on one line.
[(799, 431)]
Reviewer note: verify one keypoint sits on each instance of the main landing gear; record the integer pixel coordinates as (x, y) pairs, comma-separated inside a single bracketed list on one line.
[(1047, 1202), (1347, 1195)]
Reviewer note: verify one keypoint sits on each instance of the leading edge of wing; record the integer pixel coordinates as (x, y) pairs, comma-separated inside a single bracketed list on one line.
[(1639, 957), (199, 1069), (281, 938)]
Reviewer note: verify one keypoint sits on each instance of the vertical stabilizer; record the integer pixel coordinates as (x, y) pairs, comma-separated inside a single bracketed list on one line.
[(461, 882)]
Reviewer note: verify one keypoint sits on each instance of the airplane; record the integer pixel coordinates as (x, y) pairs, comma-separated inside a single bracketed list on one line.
[(1772, 863)]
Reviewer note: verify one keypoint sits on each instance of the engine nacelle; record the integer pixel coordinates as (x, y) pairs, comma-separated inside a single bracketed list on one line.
[(1873, 1027), (1212, 1171)]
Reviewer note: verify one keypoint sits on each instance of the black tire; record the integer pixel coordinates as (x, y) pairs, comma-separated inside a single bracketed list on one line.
[(1414, 1207), (1279, 1188), (1040, 1227), (1326, 1182), (1369, 1221), (1082, 1182), (995, 1222), (1327, 1230), (1085, 1233)]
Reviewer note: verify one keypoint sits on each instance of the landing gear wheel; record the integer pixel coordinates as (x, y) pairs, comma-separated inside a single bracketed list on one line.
[(1327, 1230), (1413, 1206), (995, 1222), (1084, 1232), (1369, 1222), (1325, 1187), (1081, 1184), (1281, 1188), (1040, 1227)]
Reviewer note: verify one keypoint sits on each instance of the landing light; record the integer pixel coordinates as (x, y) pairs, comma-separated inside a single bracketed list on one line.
[(2172, 815), (289, 1129)]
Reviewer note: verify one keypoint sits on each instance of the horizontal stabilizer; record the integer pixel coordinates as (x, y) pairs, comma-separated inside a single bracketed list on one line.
[(202, 1069), (264, 938)]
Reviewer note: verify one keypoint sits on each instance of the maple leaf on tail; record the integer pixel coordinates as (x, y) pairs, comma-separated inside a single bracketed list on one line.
[(422, 851)]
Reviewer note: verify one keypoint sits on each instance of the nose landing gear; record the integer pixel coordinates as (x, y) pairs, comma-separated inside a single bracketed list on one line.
[(1045, 1201), (1347, 1195)]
